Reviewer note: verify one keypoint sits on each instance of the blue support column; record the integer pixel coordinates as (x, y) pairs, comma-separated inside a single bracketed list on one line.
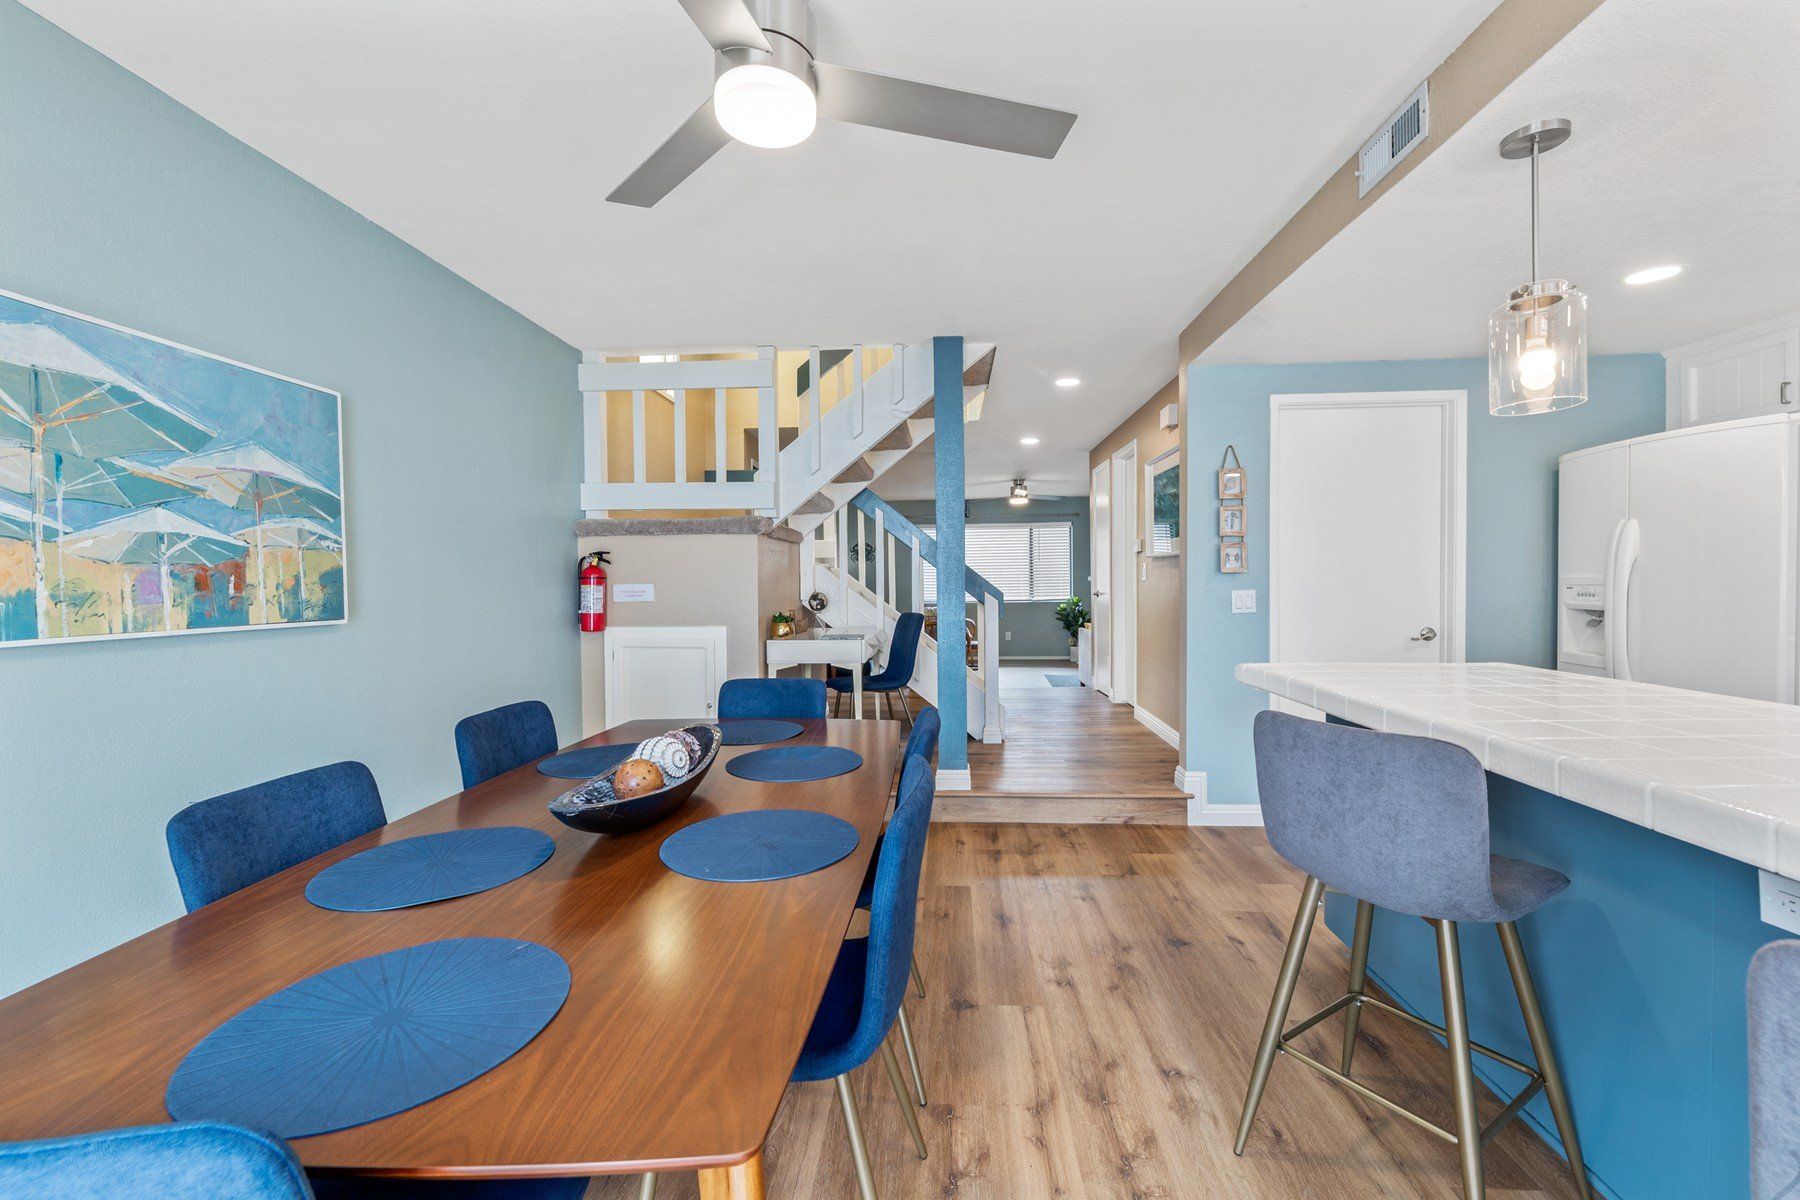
[(947, 448)]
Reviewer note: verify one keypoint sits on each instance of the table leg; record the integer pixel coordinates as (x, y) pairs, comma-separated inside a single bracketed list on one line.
[(742, 1182), (856, 681)]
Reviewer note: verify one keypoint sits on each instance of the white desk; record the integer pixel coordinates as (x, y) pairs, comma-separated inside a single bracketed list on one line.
[(850, 648)]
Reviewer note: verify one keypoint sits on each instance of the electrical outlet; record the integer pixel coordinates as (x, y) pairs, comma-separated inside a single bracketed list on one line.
[(1007, 637), (1243, 601), (1780, 900)]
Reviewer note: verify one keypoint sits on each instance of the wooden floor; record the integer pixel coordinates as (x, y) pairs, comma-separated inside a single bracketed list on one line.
[(1070, 755), (1093, 996)]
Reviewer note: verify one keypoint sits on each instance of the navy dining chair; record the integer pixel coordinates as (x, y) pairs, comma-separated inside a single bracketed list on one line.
[(903, 655), (496, 741), (229, 842), (862, 998), (793, 699), (193, 1160)]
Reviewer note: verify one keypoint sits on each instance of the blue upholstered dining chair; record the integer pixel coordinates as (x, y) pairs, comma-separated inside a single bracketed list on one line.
[(496, 741), (195, 1160), (920, 743), (794, 699), (862, 999), (229, 842), (903, 653), (1775, 1071)]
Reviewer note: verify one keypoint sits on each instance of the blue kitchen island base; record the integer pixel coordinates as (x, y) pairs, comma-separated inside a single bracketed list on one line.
[(1641, 967)]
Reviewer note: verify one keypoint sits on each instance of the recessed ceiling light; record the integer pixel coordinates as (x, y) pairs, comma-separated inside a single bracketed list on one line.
[(1653, 275), (1028, 441), (1068, 381)]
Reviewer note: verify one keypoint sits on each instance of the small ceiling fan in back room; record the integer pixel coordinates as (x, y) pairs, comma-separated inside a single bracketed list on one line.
[(769, 91)]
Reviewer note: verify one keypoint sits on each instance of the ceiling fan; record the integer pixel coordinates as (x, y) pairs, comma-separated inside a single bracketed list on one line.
[(769, 91)]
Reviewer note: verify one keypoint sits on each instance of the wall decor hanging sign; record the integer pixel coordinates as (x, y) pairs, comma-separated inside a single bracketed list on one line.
[(149, 488), (1162, 501), (1234, 518)]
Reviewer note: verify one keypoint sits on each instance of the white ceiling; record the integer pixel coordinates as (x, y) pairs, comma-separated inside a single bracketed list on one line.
[(1684, 152), (486, 132)]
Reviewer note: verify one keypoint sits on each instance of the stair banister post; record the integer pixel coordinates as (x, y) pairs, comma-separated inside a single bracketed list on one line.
[(991, 731), (881, 564), (950, 492), (678, 396), (817, 432), (843, 567), (638, 440), (593, 433), (768, 435)]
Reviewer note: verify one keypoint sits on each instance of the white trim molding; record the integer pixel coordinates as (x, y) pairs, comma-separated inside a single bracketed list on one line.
[(1159, 727), (1201, 812), (953, 781)]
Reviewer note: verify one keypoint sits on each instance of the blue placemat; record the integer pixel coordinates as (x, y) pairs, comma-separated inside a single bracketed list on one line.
[(748, 847), (433, 866), (794, 764), (585, 764), (373, 1037), (747, 732)]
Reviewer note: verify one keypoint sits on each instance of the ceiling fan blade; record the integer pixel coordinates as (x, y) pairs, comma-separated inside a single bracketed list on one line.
[(699, 138), (865, 98), (726, 23)]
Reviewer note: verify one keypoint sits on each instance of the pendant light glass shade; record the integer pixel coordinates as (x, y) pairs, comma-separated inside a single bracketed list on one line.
[(1537, 350)]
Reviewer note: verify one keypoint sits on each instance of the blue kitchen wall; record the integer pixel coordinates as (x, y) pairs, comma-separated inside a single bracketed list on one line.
[(1511, 522), (1032, 626), (462, 437)]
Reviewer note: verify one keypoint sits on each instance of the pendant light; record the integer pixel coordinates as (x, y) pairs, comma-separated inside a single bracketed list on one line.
[(1021, 493), (1537, 340)]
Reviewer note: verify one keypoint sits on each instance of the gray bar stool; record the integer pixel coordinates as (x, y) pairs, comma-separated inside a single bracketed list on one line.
[(1400, 822), (1775, 1072)]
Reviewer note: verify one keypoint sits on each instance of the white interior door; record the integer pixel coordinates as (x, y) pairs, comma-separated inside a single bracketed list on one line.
[(1366, 526), (663, 672), (1124, 575), (1100, 560)]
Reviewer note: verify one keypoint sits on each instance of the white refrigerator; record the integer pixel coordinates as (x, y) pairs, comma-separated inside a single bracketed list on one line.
[(1676, 558)]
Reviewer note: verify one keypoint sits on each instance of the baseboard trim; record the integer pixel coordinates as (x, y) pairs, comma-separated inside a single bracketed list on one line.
[(953, 781), (1201, 811), (1159, 727)]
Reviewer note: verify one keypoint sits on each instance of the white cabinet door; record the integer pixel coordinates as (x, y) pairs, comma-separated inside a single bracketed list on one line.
[(1709, 599), (663, 672), (1754, 373), (1100, 562)]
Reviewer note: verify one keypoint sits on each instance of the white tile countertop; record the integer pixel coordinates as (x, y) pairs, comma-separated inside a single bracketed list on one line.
[(1717, 771)]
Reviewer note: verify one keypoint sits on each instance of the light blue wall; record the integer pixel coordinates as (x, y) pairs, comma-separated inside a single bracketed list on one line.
[(1033, 626), (1511, 522), (461, 441)]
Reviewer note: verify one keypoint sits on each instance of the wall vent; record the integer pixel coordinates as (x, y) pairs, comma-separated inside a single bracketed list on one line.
[(1399, 134)]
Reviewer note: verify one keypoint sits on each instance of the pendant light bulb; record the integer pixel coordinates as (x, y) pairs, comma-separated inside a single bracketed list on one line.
[(1537, 365)]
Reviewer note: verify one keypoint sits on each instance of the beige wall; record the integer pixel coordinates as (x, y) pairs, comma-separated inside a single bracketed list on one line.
[(1161, 631), (700, 579)]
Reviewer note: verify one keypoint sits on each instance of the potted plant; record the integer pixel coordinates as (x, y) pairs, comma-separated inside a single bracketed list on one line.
[(1072, 614)]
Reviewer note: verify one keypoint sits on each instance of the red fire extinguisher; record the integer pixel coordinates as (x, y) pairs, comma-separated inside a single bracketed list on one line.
[(593, 592)]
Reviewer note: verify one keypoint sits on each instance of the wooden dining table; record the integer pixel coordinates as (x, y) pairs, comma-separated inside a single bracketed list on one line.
[(688, 1006)]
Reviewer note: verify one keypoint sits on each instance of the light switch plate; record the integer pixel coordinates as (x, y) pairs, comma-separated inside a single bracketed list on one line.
[(1780, 900), (1243, 601)]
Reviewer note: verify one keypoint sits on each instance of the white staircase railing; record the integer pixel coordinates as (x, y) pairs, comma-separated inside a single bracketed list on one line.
[(861, 590)]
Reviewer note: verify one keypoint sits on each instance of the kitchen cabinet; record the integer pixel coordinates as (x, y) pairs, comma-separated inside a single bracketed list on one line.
[(1751, 372)]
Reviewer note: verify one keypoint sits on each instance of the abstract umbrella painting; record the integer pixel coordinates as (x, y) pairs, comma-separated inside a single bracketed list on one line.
[(148, 488)]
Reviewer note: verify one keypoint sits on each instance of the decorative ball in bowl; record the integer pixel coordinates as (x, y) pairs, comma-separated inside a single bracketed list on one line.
[(656, 780)]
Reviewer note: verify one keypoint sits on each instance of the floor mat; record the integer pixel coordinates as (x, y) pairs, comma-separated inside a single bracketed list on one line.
[(1063, 678)]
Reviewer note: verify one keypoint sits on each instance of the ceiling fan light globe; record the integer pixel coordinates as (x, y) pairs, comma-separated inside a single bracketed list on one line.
[(765, 106)]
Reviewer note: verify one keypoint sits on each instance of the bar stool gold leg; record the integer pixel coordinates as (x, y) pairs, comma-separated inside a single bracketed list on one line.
[(1546, 1057), (892, 1062), (912, 1056), (1456, 1031), (859, 1150), (1278, 1005), (1359, 974), (647, 1186), (918, 980)]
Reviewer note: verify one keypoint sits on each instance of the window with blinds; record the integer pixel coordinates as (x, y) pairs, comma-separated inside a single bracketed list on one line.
[(1027, 562)]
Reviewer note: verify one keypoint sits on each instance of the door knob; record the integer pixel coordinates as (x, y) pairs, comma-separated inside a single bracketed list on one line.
[(1426, 634)]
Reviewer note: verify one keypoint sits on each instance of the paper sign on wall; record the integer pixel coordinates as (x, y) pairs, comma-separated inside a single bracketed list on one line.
[(625, 593)]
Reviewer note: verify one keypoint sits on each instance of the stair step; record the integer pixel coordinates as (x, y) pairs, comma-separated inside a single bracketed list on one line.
[(783, 533), (818, 503), (857, 472), (897, 438)]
